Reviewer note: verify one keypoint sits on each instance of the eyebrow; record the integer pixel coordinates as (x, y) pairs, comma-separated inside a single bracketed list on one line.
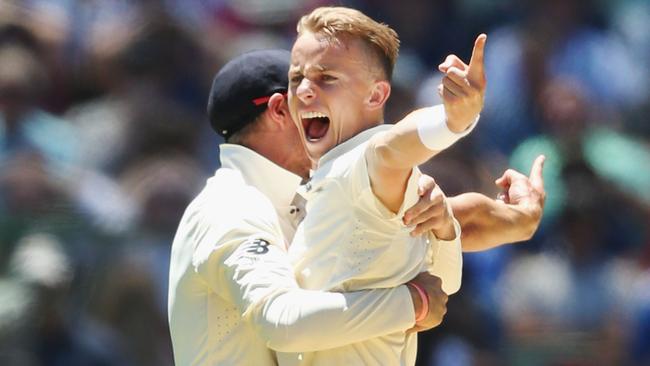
[(319, 68)]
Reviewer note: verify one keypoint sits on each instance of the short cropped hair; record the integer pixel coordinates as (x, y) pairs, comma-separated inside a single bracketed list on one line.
[(331, 22)]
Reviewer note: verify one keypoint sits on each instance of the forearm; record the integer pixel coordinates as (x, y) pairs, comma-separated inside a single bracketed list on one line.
[(262, 285), (301, 320), (415, 139), (401, 146), (487, 223)]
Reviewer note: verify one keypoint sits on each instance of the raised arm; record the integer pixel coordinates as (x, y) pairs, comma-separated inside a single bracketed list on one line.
[(425, 132)]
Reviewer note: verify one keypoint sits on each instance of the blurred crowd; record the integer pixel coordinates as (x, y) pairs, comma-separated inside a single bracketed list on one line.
[(104, 141)]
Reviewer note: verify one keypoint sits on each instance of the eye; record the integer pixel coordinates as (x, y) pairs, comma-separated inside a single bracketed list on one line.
[(295, 79), (327, 78)]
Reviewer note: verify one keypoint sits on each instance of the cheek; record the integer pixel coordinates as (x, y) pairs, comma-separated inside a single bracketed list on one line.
[(293, 114)]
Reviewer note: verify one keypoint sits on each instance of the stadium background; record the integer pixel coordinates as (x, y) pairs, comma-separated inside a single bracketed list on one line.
[(104, 140)]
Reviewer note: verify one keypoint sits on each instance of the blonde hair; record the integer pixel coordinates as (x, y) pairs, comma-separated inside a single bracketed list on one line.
[(331, 22)]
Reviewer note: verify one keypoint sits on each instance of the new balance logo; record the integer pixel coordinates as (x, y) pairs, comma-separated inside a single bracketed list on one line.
[(257, 246)]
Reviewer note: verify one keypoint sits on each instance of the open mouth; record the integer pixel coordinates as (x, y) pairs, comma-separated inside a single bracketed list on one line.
[(315, 124)]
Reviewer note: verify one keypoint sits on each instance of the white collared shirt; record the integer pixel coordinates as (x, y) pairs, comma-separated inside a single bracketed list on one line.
[(233, 295), (350, 241)]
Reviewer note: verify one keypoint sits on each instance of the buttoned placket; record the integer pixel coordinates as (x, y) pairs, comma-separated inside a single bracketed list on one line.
[(297, 209)]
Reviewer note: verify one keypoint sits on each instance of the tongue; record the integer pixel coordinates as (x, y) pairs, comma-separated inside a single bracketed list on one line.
[(317, 127)]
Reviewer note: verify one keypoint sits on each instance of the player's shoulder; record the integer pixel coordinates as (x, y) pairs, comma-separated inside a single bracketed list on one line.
[(229, 194), (342, 165), (227, 198)]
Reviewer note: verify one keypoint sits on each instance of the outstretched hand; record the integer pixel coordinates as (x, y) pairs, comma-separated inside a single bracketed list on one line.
[(517, 189), (463, 87)]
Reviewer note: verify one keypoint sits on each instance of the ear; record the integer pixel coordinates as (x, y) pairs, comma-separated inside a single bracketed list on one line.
[(278, 110), (378, 95)]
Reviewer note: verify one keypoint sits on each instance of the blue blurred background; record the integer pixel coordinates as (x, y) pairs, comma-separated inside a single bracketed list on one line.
[(104, 140)]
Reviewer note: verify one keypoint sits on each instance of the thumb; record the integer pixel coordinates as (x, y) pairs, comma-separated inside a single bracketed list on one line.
[(476, 71), (536, 173)]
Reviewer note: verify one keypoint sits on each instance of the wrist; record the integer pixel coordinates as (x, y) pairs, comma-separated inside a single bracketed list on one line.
[(457, 126), (424, 301), (437, 133), (532, 216), (417, 300)]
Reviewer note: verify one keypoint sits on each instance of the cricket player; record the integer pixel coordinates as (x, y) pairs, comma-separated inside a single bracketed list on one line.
[(353, 236)]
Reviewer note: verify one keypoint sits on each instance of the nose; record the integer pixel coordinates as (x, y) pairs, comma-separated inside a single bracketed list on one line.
[(305, 91)]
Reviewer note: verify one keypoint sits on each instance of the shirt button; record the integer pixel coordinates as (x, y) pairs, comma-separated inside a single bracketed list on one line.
[(308, 187)]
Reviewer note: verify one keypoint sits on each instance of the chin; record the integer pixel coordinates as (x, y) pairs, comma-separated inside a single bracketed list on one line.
[(315, 152), (319, 148)]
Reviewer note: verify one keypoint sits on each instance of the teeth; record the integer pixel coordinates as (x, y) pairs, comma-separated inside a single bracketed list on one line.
[(313, 115)]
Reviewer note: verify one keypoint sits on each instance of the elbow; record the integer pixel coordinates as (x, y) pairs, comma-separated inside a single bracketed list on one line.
[(387, 152), (386, 156), (283, 327)]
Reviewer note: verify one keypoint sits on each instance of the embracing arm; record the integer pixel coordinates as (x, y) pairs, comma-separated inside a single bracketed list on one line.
[(255, 275), (297, 320), (485, 222), (253, 272)]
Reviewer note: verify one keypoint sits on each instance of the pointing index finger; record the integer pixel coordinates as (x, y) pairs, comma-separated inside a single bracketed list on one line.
[(476, 72)]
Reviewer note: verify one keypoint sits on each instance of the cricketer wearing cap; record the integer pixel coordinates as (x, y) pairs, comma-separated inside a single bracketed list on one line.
[(353, 236), (233, 297)]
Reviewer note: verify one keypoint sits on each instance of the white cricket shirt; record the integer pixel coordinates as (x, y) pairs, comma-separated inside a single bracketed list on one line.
[(350, 241), (233, 298)]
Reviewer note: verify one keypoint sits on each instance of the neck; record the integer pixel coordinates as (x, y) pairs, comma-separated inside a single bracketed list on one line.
[(274, 147), (371, 121)]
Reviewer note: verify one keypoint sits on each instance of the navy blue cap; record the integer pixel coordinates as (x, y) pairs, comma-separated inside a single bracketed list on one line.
[(241, 89)]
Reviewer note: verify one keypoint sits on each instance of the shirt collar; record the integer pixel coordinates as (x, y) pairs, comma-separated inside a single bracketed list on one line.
[(276, 183), (351, 143)]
